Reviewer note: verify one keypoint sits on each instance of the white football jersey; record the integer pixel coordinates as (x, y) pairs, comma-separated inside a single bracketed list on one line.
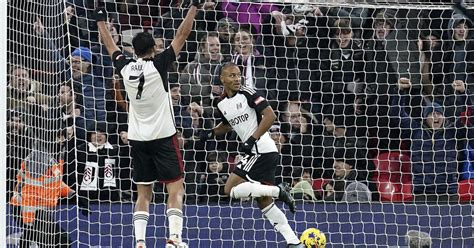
[(146, 82), (243, 113)]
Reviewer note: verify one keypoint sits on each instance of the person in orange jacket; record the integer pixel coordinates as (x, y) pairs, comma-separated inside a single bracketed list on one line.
[(38, 190)]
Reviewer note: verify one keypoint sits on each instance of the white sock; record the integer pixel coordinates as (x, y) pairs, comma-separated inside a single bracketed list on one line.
[(280, 222), (140, 221), (175, 223), (248, 189)]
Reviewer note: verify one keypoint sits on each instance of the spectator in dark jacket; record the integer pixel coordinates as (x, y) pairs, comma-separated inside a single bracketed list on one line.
[(211, 183), (434, 143), (71, 112), (300, 129), (342, 68), (196, 78), (457, 62), (289, 47), (339, 132), (347, 169), (380, 77)]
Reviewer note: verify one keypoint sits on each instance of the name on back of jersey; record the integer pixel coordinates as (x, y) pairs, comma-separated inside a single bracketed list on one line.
[(136, 67)]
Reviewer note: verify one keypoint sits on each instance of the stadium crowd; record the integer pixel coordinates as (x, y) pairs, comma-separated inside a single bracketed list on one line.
[(372, 104)]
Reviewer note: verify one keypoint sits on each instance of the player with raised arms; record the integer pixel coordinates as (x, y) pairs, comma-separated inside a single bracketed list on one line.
[(151, 127), (251, 117)]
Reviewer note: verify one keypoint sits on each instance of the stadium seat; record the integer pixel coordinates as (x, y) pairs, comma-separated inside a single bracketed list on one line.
[(393, 177), (466, 190)]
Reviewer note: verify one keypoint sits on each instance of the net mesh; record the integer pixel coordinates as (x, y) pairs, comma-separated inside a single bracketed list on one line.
[(373, 129)]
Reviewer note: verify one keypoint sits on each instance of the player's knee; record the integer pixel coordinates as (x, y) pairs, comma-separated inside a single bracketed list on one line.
[(264, 201)]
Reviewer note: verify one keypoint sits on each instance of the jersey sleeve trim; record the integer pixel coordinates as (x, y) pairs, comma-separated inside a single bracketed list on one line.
[(120, 61), (163, 60), (223, 119), (254, 100)]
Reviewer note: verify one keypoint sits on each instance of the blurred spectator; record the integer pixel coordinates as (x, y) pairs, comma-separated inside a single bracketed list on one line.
[(98, 167), (429, 46), (347, 169), (380, 79), (81, 69), (289, 47), (19, 142), (339, 130), (457, 62), (160, 45), (226, 29), (196, 77), (72, 113), (434, 143), (181, 115), (356, 17), (302, 186), (342, 68), (300, 129), (199, 119), (93, 88), (211, 184), (251, 64), (23, 91), (169, 23)]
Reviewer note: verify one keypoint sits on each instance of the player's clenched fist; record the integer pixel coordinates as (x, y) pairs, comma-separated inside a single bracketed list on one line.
[(404, 83), (100, 15)]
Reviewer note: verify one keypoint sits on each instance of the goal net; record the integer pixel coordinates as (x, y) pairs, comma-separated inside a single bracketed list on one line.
[(373, 105)]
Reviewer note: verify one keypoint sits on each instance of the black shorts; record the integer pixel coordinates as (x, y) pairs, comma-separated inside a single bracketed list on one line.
[(156, 160), (258, 167)]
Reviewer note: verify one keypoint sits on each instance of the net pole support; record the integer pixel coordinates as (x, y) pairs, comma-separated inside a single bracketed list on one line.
[(3, 122)]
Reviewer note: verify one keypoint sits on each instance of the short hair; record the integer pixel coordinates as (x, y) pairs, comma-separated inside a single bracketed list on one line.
[(205, 37), (225, 66), (343, 26), (14, 67), (242, 29), (417, 239), (142, 43)]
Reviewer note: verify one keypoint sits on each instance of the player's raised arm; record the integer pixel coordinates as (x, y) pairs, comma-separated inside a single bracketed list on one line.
[(100, 16), (185, 28)]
